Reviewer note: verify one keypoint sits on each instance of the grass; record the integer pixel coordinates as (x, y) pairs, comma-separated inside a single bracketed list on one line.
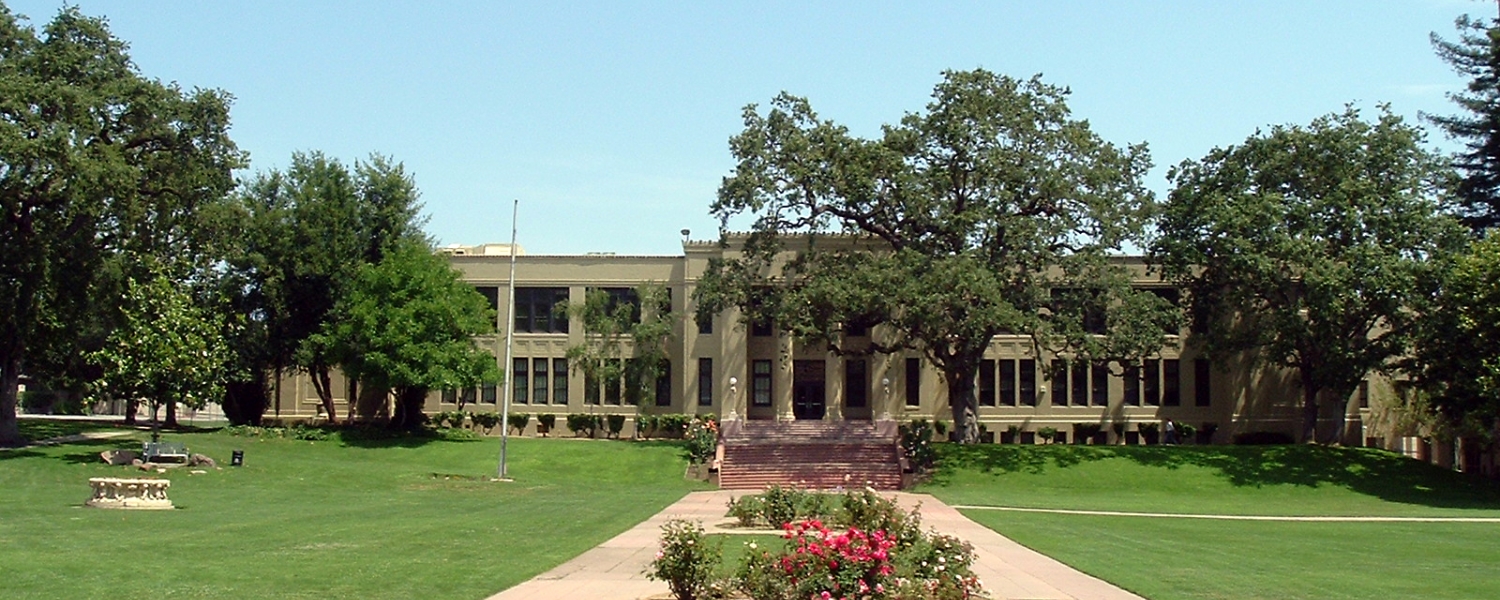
[(737, 546), (369, 519), (1167, 559), (1243, 480)]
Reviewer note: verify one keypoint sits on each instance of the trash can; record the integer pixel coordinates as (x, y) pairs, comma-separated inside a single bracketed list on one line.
[(237, 458)]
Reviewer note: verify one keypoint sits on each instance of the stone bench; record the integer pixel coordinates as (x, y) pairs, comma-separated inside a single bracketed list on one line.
[(136, 494)]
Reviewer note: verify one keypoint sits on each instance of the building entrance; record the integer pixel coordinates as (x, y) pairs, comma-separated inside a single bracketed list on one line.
[(807, 389)]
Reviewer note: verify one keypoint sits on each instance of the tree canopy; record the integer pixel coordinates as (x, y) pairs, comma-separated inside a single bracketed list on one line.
[(1457, 354), (1306, 246), (95, 160), (408, 324), (1475, 55), (643, 321), (957, 224)]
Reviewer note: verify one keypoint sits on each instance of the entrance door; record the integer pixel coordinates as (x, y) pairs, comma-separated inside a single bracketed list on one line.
[(807, 389)]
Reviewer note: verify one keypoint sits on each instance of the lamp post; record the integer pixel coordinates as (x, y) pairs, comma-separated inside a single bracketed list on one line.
[(885, 386), (734, 399)]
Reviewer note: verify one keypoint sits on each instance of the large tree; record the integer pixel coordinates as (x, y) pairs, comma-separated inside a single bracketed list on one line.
[(95, 160), (1457, 353), (1306, 247), (993, 211), (303, 235), (1476, 55), (167, 350), (408, 325)]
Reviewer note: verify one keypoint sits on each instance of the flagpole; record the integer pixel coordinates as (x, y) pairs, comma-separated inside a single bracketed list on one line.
[(510, 333)]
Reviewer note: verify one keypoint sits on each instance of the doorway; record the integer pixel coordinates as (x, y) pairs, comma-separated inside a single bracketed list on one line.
[(808, 402)]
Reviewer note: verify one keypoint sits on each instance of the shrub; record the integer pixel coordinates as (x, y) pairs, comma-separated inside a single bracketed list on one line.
[(616, 424), (1186, 431), (1013, 434), (820, 563), (1082, 432), (702, 440), (940, 429), (746, 509), (645, 426), (546, 421), (1208, 430), (450, 418), (1119, 428), (916, 442), (1148, 431), (869, 511), (516, 421), (486, 420), (585, 424), (686, 562), (779, 504), (1262, 438), (308, 433), (1047, 433), (672, 426)]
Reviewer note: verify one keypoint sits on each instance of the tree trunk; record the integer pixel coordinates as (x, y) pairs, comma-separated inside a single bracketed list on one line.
[(409, 401), (171, 420), (323, 385), (245, 401), (10, 385), (1309, 412), (132, 405), (962, 400)]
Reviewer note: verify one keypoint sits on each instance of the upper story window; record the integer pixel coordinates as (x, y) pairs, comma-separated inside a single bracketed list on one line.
[(540, 310)]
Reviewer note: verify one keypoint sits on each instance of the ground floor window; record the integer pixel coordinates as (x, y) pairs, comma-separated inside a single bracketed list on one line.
[(560, 380), (760, 382), (705, 382), (856, 383), (986, 383), (664, 384), (521, 387), (1028, 382), (539, 383), (913, 382), (1202, 384)]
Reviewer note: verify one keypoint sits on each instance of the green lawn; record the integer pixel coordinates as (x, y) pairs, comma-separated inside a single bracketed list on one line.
[(1166, 559), (325, 519)]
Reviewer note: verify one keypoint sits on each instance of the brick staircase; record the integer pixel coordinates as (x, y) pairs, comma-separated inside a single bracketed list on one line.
[(812, 454)]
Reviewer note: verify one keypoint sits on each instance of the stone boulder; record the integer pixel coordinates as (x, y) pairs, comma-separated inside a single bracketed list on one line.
[(119, 458)]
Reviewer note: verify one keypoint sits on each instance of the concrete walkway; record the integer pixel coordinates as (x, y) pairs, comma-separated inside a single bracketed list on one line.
[(615, 570)]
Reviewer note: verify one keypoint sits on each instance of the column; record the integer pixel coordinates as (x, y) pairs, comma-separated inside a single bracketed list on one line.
[(833, 387), (781, 379)]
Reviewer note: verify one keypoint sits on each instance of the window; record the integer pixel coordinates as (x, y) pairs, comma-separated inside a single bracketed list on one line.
[(1060, 389), (760, 382), (1008, 382), (1080, 383), (760, 326), (466, 396), (913, 382), (1151, 373), (1082, 304), (1099, 394), (664, 384), (450, 396), (539, 380), (624, 296), (856, 328), (1028, 382), (539, 310), (522, 382), (1202, 383), (856, 383), (591, 388), (1132, 384), (705, 324), (1171, 384), (986, 383), (491, 295), (489, 394), (705, 382), (1363, 393), (614, 389), (1169, 294), (560, 380)]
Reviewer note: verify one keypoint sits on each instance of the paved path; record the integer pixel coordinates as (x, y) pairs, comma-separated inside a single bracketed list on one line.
[(615, 569), (1318, 519), (79, 437)]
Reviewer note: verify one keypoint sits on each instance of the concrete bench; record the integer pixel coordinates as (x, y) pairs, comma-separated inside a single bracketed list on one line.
[(134, 494)]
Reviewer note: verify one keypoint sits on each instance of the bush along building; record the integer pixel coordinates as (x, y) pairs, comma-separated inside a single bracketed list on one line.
[(762, 384)]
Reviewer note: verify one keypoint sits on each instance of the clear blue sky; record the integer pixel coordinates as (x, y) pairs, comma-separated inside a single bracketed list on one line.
[(609, 120)]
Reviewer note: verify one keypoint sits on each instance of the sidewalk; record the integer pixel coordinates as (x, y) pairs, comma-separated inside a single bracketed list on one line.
[(615, 570)]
